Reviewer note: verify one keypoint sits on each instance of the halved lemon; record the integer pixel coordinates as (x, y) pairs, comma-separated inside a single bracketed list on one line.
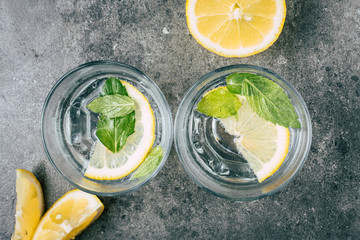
[(235, 28), (106, 165), (69, 216), (29, 205), (263, 144)]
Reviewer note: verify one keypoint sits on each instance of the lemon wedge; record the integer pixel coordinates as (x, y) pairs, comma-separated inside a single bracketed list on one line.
[(29, 205), (263, 144), (105, 165), (235, 28), (68, 216)]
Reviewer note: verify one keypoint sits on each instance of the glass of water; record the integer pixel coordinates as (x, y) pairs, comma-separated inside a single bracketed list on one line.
[(208, 152), (68, 127)]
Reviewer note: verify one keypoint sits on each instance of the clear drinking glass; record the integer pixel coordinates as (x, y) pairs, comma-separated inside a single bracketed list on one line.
[(68, 127), (208, 154)]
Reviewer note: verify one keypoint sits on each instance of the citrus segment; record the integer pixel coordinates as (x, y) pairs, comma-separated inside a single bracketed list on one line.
[(70, 215), (29, 205), (105, 165), (236, 28), (263, 144)]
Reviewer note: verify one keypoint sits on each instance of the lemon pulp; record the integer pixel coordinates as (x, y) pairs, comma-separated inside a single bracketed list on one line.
[(263, 144)]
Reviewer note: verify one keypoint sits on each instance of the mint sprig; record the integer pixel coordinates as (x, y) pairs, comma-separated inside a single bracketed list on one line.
[(219, 103), (117, 116), (150, 163), (265, 97)]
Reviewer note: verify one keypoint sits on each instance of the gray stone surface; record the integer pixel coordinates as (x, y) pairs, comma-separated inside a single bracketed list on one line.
[(318, 52)]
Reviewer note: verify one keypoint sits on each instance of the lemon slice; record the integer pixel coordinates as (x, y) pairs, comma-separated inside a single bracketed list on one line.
[(105, 165), (263, 144), (235, 28), (69, 216), (29, 205)]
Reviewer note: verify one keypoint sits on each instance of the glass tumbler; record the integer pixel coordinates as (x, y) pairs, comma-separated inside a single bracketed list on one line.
[(219, 168), (68, 127)]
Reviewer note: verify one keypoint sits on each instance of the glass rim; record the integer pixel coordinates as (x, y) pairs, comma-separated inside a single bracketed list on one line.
[(167, 109), (186, 104)]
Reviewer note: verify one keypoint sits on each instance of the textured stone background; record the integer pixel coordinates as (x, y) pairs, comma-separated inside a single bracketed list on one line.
[(318, 52)]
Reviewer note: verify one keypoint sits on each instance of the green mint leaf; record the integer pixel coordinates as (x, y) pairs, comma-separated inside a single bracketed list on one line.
[(117, 119), (113, 86), (219, 103), (265, 97), (113, 132), (112, 105), (150, 163)]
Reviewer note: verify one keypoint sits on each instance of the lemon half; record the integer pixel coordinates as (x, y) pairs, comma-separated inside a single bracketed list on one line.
[(69, 216), (106, 165), (29, 205), (263, 144), (235, 28)]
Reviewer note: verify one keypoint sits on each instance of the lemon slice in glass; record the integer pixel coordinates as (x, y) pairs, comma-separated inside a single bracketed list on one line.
[(29, 205), (69, 216), (106, 165), (263, 144), (236, 28)]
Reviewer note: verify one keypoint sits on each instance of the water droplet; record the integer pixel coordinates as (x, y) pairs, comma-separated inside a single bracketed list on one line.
[(93, 133), (165, 30), (198, 147), (211, 163), (76, 139), (58, 216), (76, 104), (224, 171), (196, 125)]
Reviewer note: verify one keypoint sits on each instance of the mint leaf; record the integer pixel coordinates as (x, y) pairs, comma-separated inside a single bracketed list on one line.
[(112, 105), (151, 162), (117, 119), (265, 97), (219, 103), (113, 132), (113, 86)]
